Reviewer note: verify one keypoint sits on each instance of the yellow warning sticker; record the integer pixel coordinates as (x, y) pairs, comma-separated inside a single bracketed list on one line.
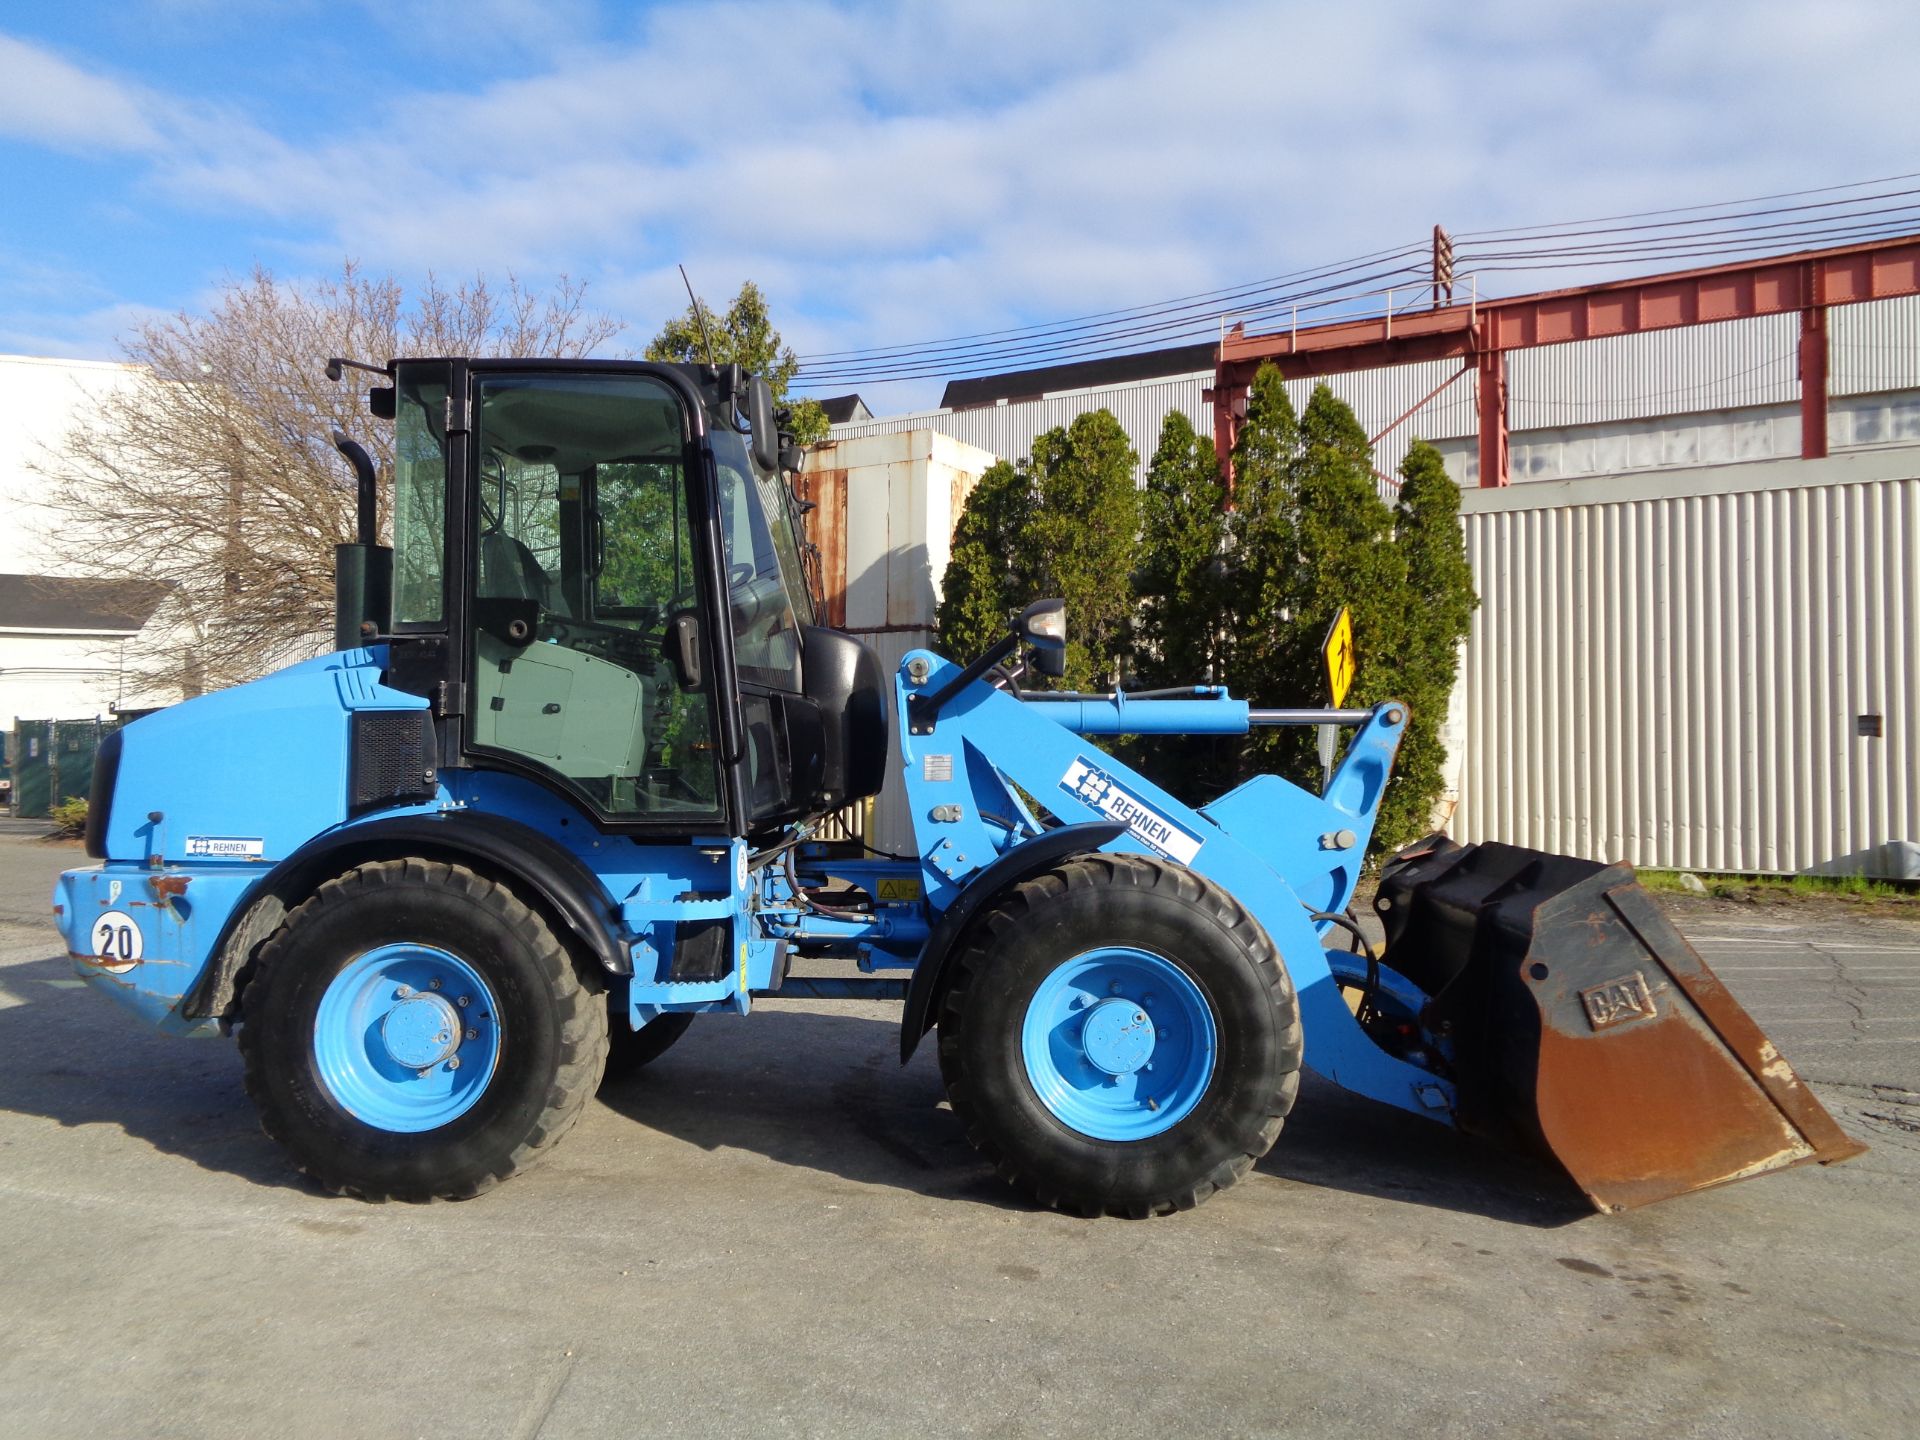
[(1338, 651), (898, 890)]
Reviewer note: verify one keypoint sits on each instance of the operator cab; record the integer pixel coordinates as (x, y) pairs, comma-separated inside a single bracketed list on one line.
[(597, 580)]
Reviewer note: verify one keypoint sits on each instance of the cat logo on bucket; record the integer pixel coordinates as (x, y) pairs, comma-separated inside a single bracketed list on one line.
[(1618, 1001)]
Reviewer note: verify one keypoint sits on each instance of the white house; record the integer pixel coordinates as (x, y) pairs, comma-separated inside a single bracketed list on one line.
[(70, 637)]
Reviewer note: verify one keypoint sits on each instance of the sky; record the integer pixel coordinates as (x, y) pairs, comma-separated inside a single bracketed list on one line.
[(888, 174)]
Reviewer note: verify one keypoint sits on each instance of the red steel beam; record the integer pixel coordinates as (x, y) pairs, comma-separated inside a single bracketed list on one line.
[(1813, 383), (1493, 417), (1879, 270), (1806, 282)]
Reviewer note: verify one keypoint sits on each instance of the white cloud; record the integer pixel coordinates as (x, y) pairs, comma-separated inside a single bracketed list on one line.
[(92, 334), (895, 173), (47, 99)]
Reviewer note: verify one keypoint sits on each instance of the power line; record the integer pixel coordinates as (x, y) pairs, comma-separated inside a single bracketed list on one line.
[(1547, 260), (1685, 209), (1708, 231), (934, 364), (1309, 273), (1809, 224), (1031, 337)]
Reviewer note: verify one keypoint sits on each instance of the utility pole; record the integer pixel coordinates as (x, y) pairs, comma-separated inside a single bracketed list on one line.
[(1442, 267)]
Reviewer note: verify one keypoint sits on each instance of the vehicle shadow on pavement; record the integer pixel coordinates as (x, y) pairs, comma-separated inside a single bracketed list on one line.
[(823, 1092), (73, 1058), (827, 1092), (820, 1091), (1340, 1141)]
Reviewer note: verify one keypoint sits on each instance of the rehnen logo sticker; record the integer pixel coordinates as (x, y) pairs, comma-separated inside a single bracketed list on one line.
[(227, 847), (1093, 786)]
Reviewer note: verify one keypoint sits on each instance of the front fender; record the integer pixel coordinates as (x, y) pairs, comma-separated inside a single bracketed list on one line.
[(1022, 862)]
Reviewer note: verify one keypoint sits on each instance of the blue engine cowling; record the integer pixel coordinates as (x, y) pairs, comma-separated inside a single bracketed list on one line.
[(197, 803)]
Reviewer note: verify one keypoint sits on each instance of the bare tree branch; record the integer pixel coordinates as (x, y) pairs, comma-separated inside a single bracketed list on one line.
[(215, 474)]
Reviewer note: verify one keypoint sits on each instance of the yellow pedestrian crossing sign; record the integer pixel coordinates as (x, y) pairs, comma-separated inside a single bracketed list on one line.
[(1338, 651)]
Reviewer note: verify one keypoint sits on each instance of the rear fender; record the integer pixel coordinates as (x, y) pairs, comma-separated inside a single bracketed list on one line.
[(545, 873)]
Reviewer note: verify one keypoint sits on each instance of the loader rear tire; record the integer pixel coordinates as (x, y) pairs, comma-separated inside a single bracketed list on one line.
[(1120, 1037), (414, 1031)]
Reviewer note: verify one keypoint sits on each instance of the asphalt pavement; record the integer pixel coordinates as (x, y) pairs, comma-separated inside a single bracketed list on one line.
[(777, 1230)]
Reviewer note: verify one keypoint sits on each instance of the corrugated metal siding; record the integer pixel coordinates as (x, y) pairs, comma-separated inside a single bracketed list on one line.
[(1875, 346), (1009, 430), (1674, 681), (1378, 397), (1738, 363), (1662, 372)]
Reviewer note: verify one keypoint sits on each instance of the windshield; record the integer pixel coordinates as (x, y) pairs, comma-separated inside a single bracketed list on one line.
[(765, 592)]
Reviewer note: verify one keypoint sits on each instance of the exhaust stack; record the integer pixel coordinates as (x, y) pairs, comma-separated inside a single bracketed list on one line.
[(362, 571)]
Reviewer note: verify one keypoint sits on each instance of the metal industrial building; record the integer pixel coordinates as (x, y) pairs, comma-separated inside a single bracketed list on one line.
[(1699, 642)]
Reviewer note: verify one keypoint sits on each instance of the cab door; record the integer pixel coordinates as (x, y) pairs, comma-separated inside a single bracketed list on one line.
[(585, 548)]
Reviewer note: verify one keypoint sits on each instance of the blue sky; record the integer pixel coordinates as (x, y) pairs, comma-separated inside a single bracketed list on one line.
[(888, 173)]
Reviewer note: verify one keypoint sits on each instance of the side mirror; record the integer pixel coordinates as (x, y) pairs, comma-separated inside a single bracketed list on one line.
[(682, 645), (1043, 625), (766, 431)]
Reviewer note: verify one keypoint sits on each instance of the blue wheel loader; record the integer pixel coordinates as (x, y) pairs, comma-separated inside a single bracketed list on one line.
[(558, 789)]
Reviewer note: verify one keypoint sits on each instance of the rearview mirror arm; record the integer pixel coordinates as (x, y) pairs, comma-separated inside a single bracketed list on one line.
[(923, 710)]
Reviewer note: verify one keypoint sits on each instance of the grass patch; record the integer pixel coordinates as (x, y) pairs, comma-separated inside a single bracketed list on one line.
[(1786, 887)]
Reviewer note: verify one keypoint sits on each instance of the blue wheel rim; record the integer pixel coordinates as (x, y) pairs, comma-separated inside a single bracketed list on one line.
[(1119, 1043), (407, 1037)]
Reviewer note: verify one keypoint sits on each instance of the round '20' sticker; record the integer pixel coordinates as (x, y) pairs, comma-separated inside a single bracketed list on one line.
[(116, 941)]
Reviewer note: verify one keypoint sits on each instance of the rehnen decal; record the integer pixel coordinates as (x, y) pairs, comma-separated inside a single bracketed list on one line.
[(227, 847), (1093, 786)]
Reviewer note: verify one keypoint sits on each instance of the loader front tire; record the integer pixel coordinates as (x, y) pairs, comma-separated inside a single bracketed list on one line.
[(1120, 1037), (630, 1050), (414, 1031)]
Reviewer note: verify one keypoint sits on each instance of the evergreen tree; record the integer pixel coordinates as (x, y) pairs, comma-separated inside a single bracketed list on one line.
[(1438, 615), (1346, 557), (1261, 590), (1181, 581), (1081, 541), (743, 335), (1242, 593), (1311, 534), (1063, 523), (984, 576), (1183, 532)]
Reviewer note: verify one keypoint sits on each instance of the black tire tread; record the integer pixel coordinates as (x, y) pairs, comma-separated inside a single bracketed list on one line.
[(575, 988), (1008, 915)]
